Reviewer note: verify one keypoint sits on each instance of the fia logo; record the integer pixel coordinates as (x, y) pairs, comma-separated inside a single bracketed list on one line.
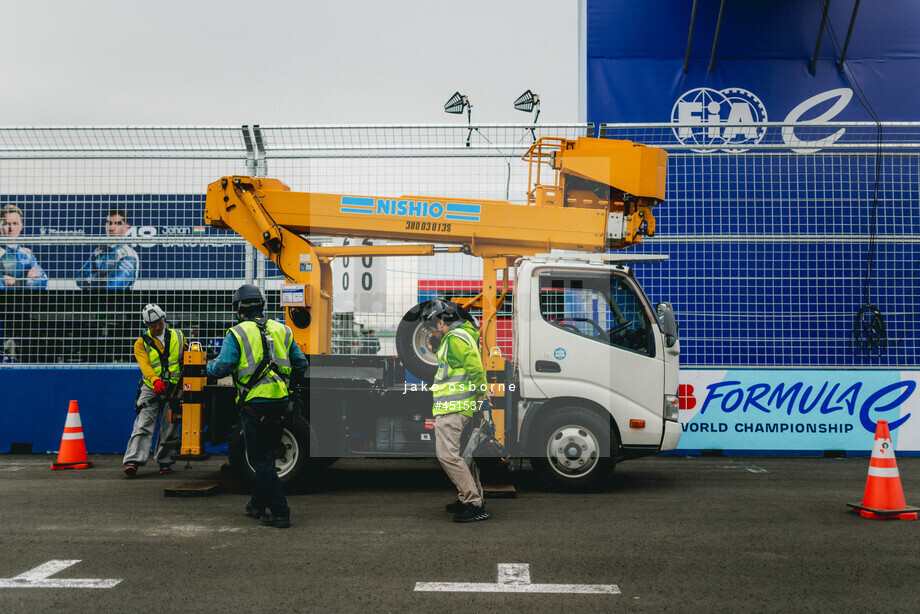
[(713, 118)]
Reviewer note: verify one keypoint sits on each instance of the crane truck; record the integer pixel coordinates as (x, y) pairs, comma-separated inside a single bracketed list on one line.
[(593, 375)]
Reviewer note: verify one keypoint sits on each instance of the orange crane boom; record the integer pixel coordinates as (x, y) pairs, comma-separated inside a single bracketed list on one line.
[(598, 195)]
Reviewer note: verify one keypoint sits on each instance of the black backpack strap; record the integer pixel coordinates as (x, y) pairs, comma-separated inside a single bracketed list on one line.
[(164, 364)]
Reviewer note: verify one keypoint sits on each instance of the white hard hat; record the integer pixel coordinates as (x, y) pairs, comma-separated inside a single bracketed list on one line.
[(152, 314)]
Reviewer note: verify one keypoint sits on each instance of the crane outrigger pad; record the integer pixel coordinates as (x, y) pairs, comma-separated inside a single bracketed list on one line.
[(499, 491), (192, 489)]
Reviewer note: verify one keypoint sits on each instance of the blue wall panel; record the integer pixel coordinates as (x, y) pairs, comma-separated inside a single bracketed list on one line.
[(636, 53), (105, 398)]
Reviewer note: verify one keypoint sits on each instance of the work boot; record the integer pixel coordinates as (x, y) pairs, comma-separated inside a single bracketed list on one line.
[(279, 520), (165, 469), (130, 471), (282, 522), (472, 513), (455, 508), (251, 511)]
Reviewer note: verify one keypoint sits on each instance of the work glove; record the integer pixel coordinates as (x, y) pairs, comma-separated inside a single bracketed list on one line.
[(159, 386)]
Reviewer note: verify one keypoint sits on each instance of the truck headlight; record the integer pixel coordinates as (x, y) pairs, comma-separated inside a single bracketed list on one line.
[(671, 407)]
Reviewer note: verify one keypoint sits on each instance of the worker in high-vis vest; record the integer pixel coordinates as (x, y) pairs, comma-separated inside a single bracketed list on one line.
[(158, 352), (263, 359), (458, 390)]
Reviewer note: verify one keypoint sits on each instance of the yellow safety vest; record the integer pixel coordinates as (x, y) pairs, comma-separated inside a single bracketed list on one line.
[(168, 372), (271, 383), (452, 388)]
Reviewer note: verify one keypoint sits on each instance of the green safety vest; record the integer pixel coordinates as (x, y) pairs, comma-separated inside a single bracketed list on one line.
[(452, 388), (170, 371), (270, 383)]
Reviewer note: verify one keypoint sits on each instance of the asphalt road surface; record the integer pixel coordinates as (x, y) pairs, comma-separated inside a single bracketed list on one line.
[(672, 534)]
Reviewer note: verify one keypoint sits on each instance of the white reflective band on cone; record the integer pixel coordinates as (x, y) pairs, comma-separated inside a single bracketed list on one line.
[(883, 472)]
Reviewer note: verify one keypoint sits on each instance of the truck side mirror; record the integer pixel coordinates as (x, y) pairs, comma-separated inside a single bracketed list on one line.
[(668, 323)]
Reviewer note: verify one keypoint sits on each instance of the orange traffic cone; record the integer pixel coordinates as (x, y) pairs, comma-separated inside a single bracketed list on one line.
[(72, 454), (884, 497)]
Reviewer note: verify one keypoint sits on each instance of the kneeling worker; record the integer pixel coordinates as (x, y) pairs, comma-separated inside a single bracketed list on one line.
[(262, 357), (158, 352), (460, 375)]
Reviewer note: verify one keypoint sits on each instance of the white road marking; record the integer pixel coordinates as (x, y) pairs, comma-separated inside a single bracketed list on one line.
[(515, 578), (743, 465), (514, 573), (38, 578), (21, 466), (190, 530)]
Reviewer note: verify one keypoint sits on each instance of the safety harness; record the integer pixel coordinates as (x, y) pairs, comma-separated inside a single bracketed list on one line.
[(263, 368), (164, 365)]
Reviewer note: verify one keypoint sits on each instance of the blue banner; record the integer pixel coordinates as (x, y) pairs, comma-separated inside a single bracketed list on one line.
[(762, 63), (797, 410)]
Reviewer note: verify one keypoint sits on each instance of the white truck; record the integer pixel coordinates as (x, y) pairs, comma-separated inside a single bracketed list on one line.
[(593, 373)]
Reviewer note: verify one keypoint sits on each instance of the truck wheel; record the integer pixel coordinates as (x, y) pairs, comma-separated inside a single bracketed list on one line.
[(576, 449), (417, 346), (292, 458)]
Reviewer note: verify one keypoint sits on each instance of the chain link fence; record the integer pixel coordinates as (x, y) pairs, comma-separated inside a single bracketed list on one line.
[(790, 245), (105, 220)]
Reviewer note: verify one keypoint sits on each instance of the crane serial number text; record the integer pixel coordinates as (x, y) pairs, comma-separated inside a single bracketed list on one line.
[(430, 226)]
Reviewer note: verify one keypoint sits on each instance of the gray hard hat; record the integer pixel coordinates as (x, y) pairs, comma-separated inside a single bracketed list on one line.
[(152, 314)]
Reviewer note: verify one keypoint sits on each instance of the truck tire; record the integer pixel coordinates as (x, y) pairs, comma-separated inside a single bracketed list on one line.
[(416, 346), (295, 467), (578, 450)]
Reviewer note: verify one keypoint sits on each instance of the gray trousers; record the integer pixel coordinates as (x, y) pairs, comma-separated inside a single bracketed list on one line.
[(138, 450), (447, 429)]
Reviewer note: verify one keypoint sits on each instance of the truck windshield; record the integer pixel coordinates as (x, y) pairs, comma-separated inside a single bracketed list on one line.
[(606, 308)]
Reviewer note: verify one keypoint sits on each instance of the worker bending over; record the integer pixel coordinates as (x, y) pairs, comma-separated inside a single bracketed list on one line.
[(457, 391), (262, 357), (158, 352)]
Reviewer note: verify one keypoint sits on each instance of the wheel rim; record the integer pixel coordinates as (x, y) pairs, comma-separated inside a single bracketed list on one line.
[(422, 345), (572, 451), (285, 463)]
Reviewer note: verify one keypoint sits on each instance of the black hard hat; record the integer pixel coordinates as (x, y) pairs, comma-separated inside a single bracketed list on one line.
[(439, 310), (248, 298)]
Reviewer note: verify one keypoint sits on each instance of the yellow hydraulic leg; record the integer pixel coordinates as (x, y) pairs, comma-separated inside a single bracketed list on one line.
[(193, 417)]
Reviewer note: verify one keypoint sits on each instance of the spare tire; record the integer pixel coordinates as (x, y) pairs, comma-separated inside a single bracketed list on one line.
[(416, 345)]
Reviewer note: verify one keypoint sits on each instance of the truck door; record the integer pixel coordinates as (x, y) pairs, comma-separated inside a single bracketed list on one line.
[(594, 338)]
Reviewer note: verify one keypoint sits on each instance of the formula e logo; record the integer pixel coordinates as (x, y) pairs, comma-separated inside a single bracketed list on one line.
[(713, 118)]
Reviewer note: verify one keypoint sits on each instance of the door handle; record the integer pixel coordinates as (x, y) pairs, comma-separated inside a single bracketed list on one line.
[(548, 366)]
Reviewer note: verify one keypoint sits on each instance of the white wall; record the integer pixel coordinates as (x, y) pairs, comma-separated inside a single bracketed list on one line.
[(229, 62)]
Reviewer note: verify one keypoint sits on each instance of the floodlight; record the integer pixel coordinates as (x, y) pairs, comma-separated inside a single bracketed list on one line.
[(527, 102), (456, 103)]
